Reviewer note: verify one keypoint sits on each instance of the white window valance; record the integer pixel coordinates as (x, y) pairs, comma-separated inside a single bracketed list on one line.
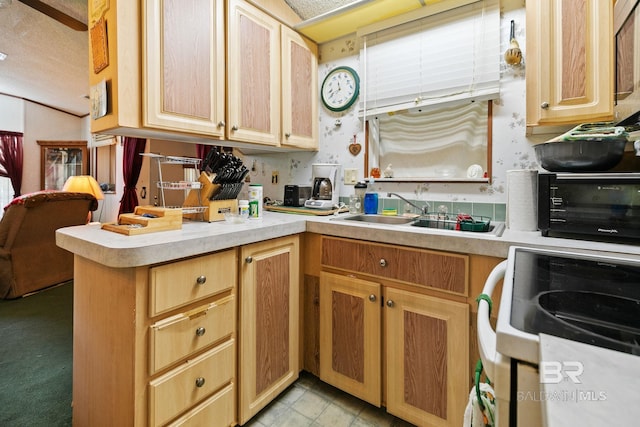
[(440, 60)]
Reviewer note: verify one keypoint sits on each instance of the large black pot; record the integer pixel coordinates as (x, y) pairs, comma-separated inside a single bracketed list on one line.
[(580, 155)]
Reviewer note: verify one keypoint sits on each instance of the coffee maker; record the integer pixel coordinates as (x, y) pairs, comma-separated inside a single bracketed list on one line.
[(324, 186)]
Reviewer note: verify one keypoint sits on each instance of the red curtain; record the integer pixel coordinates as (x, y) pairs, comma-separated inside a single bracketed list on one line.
[(11, 159), (131, 165)]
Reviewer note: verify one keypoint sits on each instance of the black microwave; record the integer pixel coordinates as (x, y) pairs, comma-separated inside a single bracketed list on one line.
[(602, 206)]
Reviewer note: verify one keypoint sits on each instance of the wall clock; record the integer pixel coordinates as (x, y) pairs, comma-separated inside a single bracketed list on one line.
[(340, 88)]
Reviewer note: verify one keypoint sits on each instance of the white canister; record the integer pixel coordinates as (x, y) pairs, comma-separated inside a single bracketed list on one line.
[(243, 208), (255, 201)]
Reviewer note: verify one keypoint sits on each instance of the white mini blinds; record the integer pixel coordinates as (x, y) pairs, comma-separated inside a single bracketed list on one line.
[(436, 61)]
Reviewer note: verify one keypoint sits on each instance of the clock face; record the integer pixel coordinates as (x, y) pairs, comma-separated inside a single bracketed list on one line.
[(340, 88)]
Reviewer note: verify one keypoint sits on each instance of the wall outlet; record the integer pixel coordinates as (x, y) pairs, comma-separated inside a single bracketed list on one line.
[(350, 176)]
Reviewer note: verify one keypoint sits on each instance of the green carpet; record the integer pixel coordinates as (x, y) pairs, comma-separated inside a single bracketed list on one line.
[(36, 356)]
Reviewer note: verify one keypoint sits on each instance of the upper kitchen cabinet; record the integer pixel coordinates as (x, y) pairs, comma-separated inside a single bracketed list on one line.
[(272, 81), (114, 66), (569, 62), (253, 110), (184, 88), (299, 90), (156, 68), (162, 69)]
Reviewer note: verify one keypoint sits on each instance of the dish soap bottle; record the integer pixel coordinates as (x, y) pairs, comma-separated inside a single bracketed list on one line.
[(371, 199)]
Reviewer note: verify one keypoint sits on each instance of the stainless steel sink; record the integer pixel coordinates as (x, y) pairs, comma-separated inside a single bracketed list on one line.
[(495, 229), (380, 219)]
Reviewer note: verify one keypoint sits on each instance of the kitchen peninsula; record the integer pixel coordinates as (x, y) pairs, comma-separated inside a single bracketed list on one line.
[(139, 345)]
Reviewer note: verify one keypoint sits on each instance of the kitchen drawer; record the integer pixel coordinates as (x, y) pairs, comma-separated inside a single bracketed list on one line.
[(433, 269), (216, 411), (190, 383), (183, 282), (185, 333)]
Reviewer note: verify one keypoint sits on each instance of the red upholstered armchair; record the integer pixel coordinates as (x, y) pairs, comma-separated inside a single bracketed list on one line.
[(29, 257)]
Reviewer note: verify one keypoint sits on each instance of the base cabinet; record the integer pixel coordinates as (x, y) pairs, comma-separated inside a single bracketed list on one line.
[(269, 322), (350, 320), (388, 337), (155, 345), (426, 352)]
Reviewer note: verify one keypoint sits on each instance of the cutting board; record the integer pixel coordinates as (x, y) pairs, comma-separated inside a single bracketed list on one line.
[(146, 219), (304, 211)]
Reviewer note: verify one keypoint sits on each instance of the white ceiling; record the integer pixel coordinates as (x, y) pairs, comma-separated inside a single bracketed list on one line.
[(47, 62)]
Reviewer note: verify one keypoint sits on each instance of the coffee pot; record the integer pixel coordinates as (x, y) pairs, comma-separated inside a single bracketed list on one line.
[(324, 191)]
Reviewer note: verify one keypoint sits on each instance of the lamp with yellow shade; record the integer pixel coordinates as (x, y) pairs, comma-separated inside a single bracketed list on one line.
[(84, 184)]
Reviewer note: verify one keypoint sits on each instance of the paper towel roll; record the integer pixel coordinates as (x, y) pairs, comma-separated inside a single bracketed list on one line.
[(522, 199)]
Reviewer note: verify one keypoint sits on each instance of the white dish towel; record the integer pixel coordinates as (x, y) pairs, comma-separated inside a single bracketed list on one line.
[(473, 414)]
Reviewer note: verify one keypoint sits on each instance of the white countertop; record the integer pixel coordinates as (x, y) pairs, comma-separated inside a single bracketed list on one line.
[(607, 392), (118, 250)]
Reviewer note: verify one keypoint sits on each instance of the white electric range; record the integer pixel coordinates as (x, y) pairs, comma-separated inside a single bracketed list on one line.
[(588, 298)]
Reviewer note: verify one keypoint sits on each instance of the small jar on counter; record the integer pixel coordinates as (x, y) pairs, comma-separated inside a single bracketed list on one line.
[(243, 208)]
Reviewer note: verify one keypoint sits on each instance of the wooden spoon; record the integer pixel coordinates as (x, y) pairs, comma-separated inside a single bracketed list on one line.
[(513, 55)]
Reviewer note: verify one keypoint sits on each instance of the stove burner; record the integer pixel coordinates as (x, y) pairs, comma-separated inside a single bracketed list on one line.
[(594, 318), (590, 300)]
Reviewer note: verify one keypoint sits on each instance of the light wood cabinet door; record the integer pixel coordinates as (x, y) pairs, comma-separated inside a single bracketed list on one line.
[(427, 351), (269, 322), (184, 76), (350, 338), (253, 107), (299, 91), (569, 60)]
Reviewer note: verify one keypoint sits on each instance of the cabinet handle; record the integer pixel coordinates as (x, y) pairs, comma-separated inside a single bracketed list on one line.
[(544, 105), (287, 135), (200, 331), (199, 382), (201, 280), (372, 298), (383, 262), (234, 127), (390, 303), (221, 124), (248, 260)]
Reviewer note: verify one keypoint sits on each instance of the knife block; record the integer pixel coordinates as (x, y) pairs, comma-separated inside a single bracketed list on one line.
[(217, 209)]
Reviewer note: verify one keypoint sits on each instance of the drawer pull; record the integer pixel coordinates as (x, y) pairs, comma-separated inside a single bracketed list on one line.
[(199, 382), (390, 303), (201, 279), (200, 331), (383, 262), (372, 298)]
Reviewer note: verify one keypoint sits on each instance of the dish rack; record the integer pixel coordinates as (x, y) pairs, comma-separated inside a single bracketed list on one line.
[(462, 222), (180, 185)]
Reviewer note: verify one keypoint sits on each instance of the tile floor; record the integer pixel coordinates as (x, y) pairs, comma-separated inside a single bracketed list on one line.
[(310, 402)]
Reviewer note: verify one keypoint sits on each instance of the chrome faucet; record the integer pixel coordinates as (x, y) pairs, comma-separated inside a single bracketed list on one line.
[(424, 209)]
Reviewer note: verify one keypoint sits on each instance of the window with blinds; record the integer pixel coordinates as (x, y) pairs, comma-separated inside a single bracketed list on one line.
[(433, 62)]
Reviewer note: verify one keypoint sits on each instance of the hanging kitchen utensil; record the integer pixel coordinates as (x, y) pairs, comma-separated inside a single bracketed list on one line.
[(513, 55)]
